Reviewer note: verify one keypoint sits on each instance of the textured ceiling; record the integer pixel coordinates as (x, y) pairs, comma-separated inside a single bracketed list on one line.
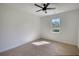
[(60, 7)]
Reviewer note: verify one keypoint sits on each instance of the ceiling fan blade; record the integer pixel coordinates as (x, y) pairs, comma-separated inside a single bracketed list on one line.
[(51, 8), (44, 4), (38, 6), (38, 10), (47, 5)]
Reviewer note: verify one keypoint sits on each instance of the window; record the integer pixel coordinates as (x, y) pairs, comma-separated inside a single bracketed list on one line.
[(56, 24)]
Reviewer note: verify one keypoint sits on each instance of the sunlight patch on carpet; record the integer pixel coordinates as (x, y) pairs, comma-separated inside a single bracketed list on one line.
[(38, 43)]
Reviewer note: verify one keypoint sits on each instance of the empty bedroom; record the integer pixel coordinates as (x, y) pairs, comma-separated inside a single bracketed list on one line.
[(39, 29)]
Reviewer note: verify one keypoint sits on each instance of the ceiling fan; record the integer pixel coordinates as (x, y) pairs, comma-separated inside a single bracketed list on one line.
[(44, 7)]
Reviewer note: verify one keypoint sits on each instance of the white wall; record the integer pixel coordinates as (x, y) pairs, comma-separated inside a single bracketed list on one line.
[(68, 26), (78, 31), (16, 27), (78, 35)]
